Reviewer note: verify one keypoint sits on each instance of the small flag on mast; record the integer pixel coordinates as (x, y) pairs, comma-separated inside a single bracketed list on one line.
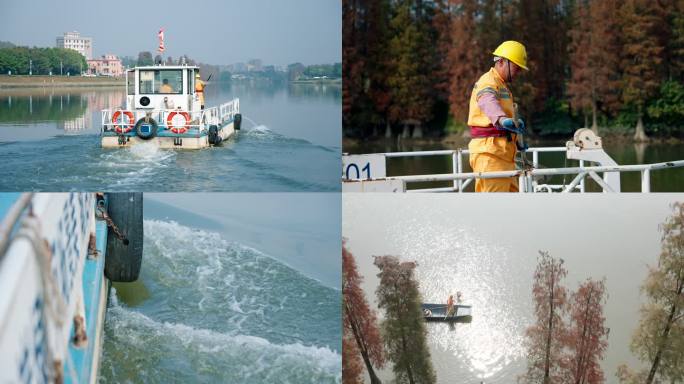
[(161, 40)]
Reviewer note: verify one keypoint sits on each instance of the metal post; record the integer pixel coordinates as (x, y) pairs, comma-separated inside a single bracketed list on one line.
[(454, 167), (30, 67), (646, 181), (535, 159), (460, 170), (582, 185)]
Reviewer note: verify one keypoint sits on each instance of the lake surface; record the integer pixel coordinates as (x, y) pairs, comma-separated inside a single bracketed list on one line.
[(487, 249), (667, 180), (290, 141), (211, 308)]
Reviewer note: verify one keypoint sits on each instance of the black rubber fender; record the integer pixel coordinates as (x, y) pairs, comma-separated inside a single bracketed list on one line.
[(213, 135), (123, 261), (237, 121), (146, 135)]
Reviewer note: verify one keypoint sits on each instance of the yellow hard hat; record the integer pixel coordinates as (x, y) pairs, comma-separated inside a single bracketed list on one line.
[(197, 75), (513, 51)]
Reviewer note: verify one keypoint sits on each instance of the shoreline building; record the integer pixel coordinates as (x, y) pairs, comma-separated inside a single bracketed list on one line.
[(108, 65), (73, 40)]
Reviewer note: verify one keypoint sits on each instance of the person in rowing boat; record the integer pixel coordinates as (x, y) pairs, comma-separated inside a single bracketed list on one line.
[(490, 118), (450, 306)]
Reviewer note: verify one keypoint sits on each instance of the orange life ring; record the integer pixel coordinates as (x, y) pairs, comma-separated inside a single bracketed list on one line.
[(120, 128), (173, 128)]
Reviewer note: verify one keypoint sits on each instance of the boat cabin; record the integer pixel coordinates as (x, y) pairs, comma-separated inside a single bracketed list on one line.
[(161, 87)]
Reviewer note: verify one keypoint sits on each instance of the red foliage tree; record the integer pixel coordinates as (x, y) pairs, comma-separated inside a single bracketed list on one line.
[(352, 366), (359, 320), (465, 56), (642, 23), (587, 335), (547, 338), (441, 24)]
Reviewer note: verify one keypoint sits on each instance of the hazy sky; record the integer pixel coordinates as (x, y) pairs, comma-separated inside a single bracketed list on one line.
[(212, 31)]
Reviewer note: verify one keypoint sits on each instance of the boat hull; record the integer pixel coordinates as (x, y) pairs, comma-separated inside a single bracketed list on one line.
[(34, 340), (437, 312), (168, 140)]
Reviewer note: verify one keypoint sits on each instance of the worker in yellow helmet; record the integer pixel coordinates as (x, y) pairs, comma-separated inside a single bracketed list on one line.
[(199, 88), (490, 118)]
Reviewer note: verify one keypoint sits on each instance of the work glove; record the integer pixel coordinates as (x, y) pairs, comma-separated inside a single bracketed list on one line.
[(524, 147), (507, 124)]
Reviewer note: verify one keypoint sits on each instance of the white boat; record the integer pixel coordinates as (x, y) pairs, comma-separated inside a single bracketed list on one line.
[(162, 107), (58, 253)]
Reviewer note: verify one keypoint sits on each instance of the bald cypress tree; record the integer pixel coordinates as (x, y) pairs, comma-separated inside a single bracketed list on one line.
[(675, 45), (409, 83), (547, 338), (403, 328), (542, 26), (580, 86), (353, 68), (466, 56), (441, 25), (587, 335), (378, 60), (594, 59), (659, 339), (642, 56), (352, 366), (360, 324)]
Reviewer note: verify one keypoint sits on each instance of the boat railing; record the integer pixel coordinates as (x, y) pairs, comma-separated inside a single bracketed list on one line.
[(366, 173), (199, 120), (229, 109)]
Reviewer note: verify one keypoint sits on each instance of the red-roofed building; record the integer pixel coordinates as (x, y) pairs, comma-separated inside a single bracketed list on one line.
[(108, 65)]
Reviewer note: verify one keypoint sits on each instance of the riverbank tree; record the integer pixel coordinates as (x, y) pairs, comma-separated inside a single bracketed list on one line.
[(587, 335), (594, 69), (547, 338), (403, 328), (41, 61), (360, 329), (659, 339)]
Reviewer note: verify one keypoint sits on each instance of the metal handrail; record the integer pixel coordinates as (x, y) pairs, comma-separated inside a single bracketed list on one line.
[(462, 179), (580, 171)]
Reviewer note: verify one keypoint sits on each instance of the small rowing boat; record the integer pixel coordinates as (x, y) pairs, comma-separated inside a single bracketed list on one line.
[(437, 312)]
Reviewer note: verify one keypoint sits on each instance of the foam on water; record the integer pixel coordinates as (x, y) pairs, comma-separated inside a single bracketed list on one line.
[(222, 312), (208, 354)]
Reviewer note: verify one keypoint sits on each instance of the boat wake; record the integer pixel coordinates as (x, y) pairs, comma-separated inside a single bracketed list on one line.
[(133, 165), (171, 352), (223, 312), (265, 134)]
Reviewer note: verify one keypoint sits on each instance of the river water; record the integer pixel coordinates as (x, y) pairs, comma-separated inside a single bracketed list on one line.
[(624, 153), (487, 249), (49, 141), (211, 308)]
